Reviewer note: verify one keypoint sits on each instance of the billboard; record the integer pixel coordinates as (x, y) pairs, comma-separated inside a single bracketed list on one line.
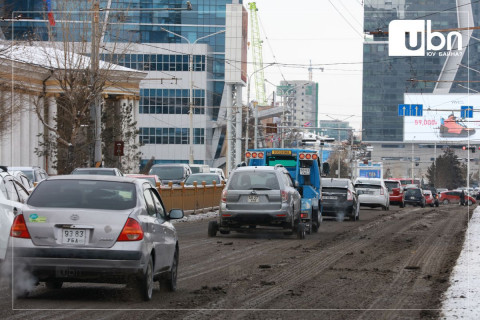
[(444, 118)]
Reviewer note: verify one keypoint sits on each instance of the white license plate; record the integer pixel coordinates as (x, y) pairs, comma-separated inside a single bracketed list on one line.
[(252, 198), (304, 171), (74, 236), (412, 198), (330, 197)]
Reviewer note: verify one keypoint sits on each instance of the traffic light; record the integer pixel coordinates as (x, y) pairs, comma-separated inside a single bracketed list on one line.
[(472, 149)]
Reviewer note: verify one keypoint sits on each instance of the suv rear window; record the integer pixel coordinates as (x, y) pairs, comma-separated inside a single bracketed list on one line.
[(413, 192), (368, 186), (85, 194), (259, 180), (166, 173)]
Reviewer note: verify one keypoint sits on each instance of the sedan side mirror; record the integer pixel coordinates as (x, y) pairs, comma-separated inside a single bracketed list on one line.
[(175, 214), (296, 184)]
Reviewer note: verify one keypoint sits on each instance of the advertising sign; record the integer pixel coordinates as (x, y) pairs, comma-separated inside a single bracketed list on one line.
[(445, 118), (369, 173)]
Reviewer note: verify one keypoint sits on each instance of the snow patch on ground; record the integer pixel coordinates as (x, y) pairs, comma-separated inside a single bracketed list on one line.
[(462, 299), (198, 217)]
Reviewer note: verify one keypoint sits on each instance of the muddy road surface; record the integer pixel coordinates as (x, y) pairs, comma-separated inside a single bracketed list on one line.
[(389, 265)]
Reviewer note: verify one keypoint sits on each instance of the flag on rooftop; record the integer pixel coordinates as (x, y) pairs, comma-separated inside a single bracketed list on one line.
[(51, 18)]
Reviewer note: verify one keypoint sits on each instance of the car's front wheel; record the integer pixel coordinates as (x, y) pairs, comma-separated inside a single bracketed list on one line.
[(146, 281), (470, 202), (445, 201)]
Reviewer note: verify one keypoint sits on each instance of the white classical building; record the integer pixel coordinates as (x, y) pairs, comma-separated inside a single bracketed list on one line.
[(29, 70)]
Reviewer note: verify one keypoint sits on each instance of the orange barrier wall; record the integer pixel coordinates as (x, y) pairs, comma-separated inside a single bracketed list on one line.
[(198, 198)]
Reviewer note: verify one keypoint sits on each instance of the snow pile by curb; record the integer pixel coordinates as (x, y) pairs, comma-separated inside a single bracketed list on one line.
[(462, 299), (197, 217)]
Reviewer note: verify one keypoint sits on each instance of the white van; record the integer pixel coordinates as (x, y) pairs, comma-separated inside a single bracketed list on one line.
[(372, 193), (219, 172), (200, 168)]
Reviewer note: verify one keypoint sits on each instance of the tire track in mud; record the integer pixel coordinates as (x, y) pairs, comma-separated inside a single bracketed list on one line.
[(422, 262), (310, 266)]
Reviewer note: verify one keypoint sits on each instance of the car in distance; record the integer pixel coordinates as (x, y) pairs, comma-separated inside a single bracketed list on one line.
[(259, 197), (339, 199), (34, 174), (429, 200), (207, 177), (395, 191), (172, 172), (453, 196), (94, 228), (199, 168), (372, 193), (218, 171), (152, 178), (99, 171), (414, 196)]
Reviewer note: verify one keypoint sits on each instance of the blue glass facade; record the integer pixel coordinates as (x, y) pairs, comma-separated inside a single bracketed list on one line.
[(386, 78), (129, 21)]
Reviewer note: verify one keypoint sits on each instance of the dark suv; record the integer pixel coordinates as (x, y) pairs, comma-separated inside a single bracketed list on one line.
[(259, 197), (414, 196), (340, 199)]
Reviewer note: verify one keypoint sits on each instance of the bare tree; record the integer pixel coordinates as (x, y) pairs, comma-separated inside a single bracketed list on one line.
[(80, 82)]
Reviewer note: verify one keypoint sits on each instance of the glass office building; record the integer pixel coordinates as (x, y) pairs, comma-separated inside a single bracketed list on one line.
[(163, 105), (386, 78)]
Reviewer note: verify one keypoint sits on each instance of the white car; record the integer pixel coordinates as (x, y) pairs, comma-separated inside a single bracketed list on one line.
[(12, 197), (218, 171), (372, 193)]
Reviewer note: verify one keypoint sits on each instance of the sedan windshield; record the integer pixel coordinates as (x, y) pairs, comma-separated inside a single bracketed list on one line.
[(168, 173), (85, 194)]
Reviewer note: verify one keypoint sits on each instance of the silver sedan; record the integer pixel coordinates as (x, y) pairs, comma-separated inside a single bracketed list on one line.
[(98, 229)]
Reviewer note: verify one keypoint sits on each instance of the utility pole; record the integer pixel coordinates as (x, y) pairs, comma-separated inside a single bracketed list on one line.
[(96, 108)]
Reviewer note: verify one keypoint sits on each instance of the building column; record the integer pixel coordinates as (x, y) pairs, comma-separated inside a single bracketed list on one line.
[(229, 162), (238, 131)]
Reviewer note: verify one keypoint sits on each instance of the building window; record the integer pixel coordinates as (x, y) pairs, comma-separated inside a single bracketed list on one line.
[(170, 101), (171, 135), (156, 62)]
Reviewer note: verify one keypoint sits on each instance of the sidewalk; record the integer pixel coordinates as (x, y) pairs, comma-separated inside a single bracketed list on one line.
[(462, 299)]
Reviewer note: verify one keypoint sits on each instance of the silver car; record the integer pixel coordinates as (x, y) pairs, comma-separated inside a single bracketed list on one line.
[(92, 228), (259, 196)]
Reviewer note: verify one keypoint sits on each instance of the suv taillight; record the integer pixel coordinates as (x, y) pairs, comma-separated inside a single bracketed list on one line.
[(349, 195), (284, 196), (224, 196), (19, 228), (132, 231)]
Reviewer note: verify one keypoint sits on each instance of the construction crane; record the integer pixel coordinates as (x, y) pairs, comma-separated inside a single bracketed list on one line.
[(310, 71), (257, 55)]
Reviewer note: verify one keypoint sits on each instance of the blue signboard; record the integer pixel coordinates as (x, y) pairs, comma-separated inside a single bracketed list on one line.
[(466, 112), (414, 110), (369, 173)]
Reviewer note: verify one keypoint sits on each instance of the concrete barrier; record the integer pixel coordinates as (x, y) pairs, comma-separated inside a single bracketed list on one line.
[(198, 198)]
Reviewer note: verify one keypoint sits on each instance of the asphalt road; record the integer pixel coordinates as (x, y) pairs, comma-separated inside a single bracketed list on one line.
[(389, 265)]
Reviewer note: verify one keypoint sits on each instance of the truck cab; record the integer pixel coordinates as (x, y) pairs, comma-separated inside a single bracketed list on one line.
[(303, 165)]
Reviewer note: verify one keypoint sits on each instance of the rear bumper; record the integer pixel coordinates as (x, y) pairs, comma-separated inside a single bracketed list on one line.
[(331, 210), (274, 218), (396, 198), (109, 265), (371, 200)]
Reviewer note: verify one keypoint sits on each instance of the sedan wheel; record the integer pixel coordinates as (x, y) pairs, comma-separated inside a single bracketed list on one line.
[(171, 281), (146, 282), (445, 201), (470, 202)]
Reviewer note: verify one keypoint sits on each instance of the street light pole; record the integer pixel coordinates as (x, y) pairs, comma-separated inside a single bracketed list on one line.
[(190, 68)]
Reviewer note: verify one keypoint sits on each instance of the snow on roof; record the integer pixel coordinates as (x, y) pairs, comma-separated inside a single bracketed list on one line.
[(52, 58)]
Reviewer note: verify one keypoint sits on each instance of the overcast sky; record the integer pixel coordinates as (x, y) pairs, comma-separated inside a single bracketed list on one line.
[(329, 33)]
